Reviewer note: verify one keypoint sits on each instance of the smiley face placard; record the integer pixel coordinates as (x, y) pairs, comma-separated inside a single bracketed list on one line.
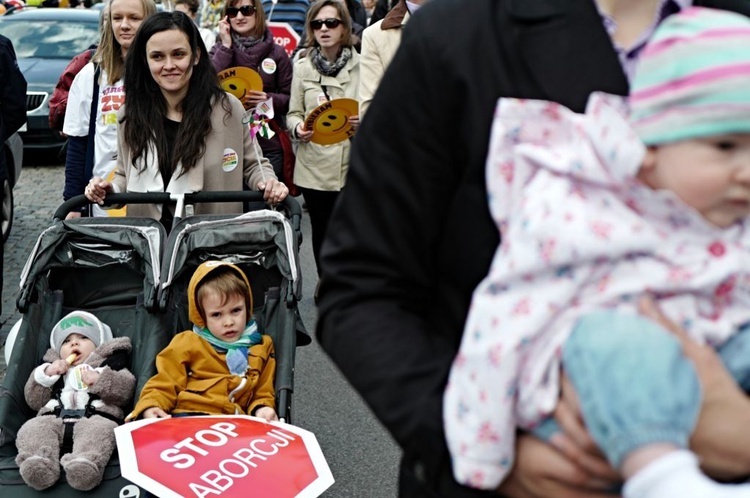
[(240, 80), (330, 121)]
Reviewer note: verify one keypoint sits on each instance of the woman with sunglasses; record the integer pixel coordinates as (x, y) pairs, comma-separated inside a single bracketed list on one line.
[(179, 131), (246, 41), (328, 69)]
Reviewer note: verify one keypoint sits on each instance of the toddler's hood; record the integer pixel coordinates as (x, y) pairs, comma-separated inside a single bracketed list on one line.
[(200, 274)]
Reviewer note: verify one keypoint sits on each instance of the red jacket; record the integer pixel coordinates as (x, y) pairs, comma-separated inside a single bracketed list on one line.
[(59, 100)]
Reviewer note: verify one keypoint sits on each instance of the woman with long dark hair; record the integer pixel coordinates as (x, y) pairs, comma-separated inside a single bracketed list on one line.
[(179, 131)]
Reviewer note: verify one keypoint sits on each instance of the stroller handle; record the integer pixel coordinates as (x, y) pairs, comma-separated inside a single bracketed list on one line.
[(80, 201), (290, 205)]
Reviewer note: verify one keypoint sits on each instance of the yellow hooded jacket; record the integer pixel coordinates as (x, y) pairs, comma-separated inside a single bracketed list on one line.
[(193, 377)]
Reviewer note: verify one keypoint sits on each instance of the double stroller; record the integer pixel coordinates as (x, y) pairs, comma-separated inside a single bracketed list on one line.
[(134, 277)]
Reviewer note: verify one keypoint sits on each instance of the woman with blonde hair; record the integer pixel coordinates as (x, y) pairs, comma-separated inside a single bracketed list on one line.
[(328, 70), (96, 95)]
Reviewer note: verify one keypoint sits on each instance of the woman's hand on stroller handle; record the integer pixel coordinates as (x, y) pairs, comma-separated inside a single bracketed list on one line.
[(97, 190), (273, 191)]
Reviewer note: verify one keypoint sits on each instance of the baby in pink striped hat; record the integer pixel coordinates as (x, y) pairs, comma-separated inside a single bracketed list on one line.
[(642, 196)]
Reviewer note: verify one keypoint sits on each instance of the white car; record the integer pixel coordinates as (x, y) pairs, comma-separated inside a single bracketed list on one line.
[(13, 150)]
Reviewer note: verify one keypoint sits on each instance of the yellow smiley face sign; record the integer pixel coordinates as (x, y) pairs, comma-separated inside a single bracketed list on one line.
[(329, 121), (240, 80)]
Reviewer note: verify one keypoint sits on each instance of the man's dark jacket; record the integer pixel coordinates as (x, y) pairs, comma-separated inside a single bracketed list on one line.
[(411, 236)]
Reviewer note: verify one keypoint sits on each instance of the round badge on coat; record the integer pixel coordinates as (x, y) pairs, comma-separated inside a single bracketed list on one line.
[(268, 65), (230, 160)]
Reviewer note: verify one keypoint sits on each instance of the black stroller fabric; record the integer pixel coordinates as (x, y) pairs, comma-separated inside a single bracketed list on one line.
[(109, 267), (264, 244), (123, 271)]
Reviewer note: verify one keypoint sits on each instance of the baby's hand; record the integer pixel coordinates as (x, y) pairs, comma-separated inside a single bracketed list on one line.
[(58, 367), (155, 412), (267, 413), (89, 377)]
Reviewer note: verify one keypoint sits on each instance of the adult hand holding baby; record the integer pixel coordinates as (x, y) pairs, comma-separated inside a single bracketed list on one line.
[(721, 438)]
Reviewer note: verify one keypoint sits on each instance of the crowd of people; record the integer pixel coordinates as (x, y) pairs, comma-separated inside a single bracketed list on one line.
[(108, 154), (547, 211), (175, 129), (326, 67)]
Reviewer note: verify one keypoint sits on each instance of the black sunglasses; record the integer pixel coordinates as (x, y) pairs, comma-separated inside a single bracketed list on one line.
[(247, 11), (330, 23)]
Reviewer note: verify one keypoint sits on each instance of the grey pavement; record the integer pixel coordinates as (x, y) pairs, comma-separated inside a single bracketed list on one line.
[(37, 195), (362, 456)]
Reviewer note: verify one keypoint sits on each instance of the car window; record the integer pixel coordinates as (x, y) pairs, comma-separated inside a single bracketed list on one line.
[(50, 39)]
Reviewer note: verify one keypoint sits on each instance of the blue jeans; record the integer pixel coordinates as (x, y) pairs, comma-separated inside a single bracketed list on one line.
[(634, 385)]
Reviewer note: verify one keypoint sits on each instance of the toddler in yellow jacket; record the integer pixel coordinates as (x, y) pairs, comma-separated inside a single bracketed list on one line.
[(222, 366)]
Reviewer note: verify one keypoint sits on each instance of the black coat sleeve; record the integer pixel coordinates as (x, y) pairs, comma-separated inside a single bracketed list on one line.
[(75, 183), (12, 91)]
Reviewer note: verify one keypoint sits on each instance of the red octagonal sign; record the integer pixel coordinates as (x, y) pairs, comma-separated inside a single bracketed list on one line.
[(222, 456), (284, 35)]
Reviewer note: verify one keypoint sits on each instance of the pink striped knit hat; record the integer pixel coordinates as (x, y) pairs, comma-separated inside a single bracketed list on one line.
[(693, 78)]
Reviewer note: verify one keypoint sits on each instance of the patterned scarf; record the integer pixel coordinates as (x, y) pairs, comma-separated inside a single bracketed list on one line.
[(330, 68), (245, 41), (236, 351)]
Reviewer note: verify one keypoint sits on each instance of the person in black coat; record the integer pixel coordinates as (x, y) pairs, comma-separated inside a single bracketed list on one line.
[(411, 235), (12, 112), (359, 15), (382, 7)]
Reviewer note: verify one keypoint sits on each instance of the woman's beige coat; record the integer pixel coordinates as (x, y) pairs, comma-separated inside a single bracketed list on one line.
[(320, 167), (379, 44), (231, 159)]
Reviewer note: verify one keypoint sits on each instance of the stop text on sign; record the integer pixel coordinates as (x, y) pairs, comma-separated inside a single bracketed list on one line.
[(283, 41), (239, 464)]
